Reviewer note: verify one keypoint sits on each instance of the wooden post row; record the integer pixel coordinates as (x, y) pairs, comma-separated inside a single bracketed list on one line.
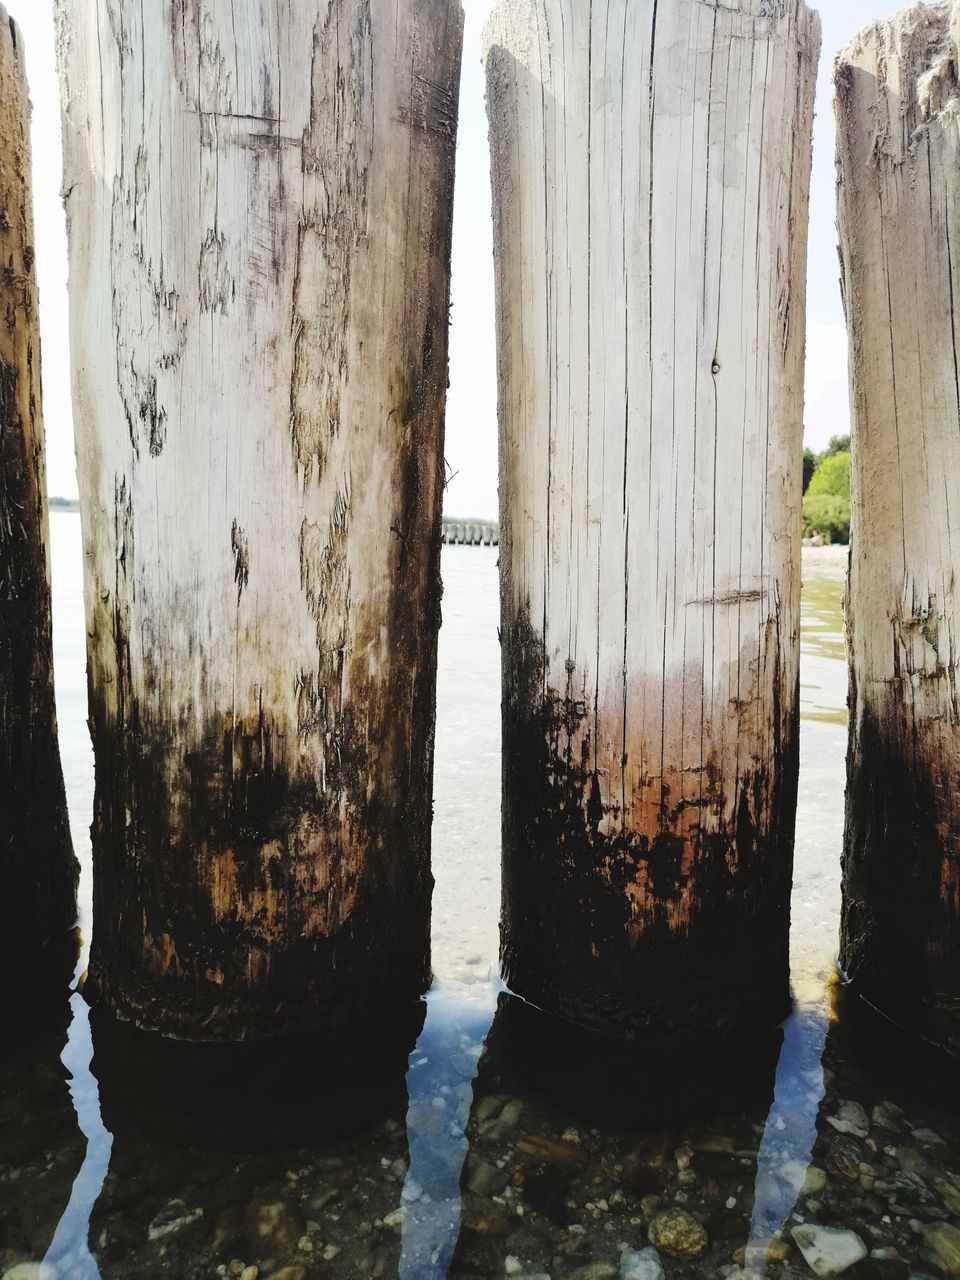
[(259, 262)]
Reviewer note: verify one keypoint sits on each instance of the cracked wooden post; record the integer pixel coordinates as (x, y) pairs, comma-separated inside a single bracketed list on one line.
[(39, 872), (650, 175), (897, 104), (259, 200)]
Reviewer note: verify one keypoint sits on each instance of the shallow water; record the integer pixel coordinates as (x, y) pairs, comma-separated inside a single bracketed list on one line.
[(484, 1142)]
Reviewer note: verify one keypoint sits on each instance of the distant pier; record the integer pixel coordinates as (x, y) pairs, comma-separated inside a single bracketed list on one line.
[(471, 533)]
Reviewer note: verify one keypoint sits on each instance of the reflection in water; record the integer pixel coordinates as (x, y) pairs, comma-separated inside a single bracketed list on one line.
[(637, 1086), (578, 1142), (69, 1252), (273, 1153), (308, 1089), (41, 1147), (790, 1132), (899, 1060), (440, 1087)]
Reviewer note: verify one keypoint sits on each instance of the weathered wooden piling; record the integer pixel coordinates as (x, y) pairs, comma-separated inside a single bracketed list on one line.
[(650, 176), (259, 200), (897, 102), (37, 866)]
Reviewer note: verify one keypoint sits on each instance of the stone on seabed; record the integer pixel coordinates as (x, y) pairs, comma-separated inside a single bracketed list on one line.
[(642, 1265), (828, 1251), (272, 1226), (678, 1234), (484, 1179), (943, 1244), (887, 1115), (850, 1118), (596, 1271), (814, 1182)]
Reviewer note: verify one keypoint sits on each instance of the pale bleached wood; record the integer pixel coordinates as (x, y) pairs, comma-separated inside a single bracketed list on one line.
[(898, 106), (259, 200), (650, 176), (38, 872)]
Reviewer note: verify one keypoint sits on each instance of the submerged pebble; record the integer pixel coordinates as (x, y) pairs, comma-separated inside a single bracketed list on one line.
[(828, 1251), (174, 1217), (850, 1117), (942, 1241), (640, 1265), (678, 1234), (815, 1180), (272, 1227)]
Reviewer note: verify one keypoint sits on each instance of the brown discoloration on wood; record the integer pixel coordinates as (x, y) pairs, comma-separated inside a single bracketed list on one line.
[(899, 184), (262, 645), (37, 867), (689, 880), (650, 174)]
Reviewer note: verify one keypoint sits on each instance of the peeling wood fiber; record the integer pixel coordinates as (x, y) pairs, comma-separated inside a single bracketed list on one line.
[(259, 201), (651, 167), (37, 866), (898, 112)]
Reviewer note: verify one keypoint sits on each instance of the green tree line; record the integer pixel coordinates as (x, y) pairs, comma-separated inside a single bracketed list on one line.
[(826, 491)]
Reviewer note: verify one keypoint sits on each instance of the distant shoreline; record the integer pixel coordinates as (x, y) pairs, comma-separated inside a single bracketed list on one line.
[(73, 504), (829, 561)]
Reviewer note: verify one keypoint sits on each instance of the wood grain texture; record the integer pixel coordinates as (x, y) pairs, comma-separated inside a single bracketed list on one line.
[(897, 106), (259, 199), (650, 173), (37, 866)]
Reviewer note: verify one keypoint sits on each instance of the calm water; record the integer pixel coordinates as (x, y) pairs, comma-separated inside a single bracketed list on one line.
[(484, 1144)]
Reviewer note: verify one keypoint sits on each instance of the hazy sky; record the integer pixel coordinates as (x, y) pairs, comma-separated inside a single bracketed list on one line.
[(472, 406)]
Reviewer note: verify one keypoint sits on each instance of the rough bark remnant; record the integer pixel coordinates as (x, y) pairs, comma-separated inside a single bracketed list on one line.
[(650, 173), (37, 866), (897, 105), (259, 199)]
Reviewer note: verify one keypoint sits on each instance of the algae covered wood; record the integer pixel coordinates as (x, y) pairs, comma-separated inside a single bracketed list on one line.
[(37, 866), (897, 109), (650, 180), (259, 202)]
